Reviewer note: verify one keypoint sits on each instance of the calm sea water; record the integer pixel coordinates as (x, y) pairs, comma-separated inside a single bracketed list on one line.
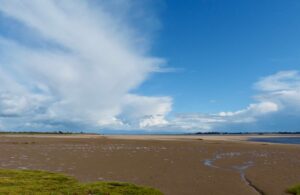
[(281, 140)]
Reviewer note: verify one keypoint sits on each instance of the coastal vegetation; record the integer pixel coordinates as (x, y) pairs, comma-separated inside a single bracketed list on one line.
[(15, 182), (42, 133), (294, 190)]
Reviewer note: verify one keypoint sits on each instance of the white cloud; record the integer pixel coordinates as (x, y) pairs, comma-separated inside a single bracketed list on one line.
[(281, 81), (283, 88), (74, 64), (277, 108), (77, 68)]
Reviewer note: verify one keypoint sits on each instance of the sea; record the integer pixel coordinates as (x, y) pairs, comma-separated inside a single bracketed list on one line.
[(280, 140)]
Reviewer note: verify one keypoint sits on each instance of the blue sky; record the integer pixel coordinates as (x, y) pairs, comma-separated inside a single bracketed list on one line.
[(154, 66), (221, 48)]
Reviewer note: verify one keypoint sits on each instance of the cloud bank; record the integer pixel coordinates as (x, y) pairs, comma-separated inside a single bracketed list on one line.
[(73, 65), (276, 108)]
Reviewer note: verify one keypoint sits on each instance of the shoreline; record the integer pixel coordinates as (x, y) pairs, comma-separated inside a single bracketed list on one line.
[(226, 138)]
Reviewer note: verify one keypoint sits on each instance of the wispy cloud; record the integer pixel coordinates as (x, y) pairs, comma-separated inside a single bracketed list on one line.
[(276, 108), (72, 64), (76, 67)]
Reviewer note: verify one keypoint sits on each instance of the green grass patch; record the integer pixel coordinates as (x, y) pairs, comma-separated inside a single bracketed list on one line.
[(294, 190), (15, 182)]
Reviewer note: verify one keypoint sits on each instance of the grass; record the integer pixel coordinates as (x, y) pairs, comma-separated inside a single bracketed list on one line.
[(25, 182), (294, 190)]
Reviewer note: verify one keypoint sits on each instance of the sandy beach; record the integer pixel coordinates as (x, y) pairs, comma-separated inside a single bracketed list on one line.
[(175, 165)]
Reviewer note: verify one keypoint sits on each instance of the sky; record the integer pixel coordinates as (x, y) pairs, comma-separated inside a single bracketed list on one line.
[(166, 66)]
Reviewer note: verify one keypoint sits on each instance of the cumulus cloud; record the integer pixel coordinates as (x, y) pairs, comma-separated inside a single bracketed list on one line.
[(276, 108), (74, 65)]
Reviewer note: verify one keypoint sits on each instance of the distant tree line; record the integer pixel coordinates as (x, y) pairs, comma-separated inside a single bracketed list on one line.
[(44, 133)]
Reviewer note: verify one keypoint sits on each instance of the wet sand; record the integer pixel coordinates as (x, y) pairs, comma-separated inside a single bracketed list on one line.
[(176, 165)]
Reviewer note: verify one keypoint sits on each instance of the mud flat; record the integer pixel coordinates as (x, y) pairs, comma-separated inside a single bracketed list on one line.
[(174, 164)]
